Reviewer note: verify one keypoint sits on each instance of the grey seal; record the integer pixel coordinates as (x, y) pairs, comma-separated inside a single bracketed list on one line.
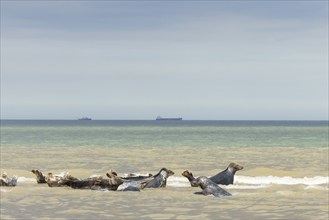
[(208, 187), (135, 177), (142, 182), (132, 182), (7, 181), (158, 180), (226, 177)]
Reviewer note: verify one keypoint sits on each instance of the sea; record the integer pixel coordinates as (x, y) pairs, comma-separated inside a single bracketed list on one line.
[(285, 173)]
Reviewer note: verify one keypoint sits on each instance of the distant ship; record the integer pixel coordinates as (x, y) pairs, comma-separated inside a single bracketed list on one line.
[(159, 118), (84, 119)]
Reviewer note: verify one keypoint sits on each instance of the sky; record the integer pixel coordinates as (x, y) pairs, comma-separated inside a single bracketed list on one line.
[(200, 60)]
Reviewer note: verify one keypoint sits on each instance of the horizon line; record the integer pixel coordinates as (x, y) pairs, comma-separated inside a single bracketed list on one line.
[(45, 119)]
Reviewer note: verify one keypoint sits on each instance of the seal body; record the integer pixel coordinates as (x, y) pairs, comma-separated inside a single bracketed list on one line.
[(226, 177), (132, 183), (208, 186), (94, 183), (59, 180), (135, 177), (7, 181), (159, 180)]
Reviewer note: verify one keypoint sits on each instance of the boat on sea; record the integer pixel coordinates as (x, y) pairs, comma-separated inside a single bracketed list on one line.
[(159, 118), (84, 119)]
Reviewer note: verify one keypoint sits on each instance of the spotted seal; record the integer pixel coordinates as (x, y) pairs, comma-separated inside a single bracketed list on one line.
[(208, 187), (94, 182), (59, 180), (226, 177), (97, 183)]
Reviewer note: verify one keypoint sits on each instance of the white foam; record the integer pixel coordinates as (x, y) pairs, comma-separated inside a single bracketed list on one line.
[(175, 181), (317, 188), (6, 190), (246, 186), (22, 179), (286, 180), (254, 182)]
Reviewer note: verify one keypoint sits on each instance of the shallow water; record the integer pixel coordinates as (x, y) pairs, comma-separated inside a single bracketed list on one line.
[(271, 187), (279, 182)]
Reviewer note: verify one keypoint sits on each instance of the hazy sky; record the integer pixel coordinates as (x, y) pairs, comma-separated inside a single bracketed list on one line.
[(217, 60)]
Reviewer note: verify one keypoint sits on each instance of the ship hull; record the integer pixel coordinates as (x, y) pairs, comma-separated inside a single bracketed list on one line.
[(169, 119), (84, 119)]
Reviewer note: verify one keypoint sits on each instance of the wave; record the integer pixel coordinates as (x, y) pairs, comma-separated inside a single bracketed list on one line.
[(252, 182), (23, 179), (286, 180)]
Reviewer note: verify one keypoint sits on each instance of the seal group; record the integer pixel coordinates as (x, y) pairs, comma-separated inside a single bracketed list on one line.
[(133, 182)]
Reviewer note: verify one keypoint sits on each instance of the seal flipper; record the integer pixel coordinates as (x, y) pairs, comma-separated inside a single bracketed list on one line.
[(146, 182)]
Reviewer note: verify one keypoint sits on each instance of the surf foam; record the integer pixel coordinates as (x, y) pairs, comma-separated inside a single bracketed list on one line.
[(23, 179), (286, 180), (252, 182)]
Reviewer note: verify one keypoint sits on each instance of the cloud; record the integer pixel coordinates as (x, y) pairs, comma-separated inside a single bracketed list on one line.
[(127, 56)]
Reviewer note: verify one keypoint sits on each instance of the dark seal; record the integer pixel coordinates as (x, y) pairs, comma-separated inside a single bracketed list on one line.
[(39, 176), (135, 177), (226, 177), (208, 187)]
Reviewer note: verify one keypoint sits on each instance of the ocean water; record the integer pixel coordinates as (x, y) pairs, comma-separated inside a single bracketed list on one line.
[(285, 173)]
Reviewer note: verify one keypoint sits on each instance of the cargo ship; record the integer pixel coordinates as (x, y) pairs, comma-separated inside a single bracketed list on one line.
[(159, 118), (84, 119)]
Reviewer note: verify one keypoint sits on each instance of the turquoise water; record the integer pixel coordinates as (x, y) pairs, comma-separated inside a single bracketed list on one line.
[(164, 133)]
